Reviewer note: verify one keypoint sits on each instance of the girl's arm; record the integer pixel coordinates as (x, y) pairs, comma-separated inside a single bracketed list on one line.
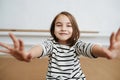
[(114, 49), (18, 50)]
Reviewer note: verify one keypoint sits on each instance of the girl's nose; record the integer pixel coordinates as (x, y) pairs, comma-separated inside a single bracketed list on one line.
[(64, 28)]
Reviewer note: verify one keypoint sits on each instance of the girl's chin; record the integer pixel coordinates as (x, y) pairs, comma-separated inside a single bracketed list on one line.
[(63, 40)]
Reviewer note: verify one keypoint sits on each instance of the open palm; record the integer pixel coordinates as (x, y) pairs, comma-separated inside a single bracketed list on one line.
[(17, 50), (114, 48)]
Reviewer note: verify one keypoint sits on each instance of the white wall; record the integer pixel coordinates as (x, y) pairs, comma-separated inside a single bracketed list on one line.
[(100, 15)]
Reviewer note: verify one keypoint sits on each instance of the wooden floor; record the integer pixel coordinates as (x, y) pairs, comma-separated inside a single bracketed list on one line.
[(101, 69), (94, 69)]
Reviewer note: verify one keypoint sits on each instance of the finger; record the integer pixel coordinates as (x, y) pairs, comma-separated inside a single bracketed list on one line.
[(21, 48), (15, 40), (5, 46), (5, 51), (118, 35), (112, 40)]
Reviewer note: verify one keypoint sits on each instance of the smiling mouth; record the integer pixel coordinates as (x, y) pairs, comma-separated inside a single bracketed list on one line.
[(63, 33)]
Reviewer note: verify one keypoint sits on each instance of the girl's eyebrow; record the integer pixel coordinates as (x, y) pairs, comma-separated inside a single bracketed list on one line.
[(61, 22), (69, 23), (58, 22)]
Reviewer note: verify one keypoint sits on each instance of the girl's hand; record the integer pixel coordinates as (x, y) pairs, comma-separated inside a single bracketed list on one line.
[(114, 48), (17, 50)]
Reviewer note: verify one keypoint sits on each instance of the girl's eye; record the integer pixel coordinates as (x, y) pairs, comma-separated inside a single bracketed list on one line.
[(59, 25), (69, 25)]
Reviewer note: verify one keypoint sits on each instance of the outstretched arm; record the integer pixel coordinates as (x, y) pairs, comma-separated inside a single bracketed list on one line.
[(18, 50), (114, 49)]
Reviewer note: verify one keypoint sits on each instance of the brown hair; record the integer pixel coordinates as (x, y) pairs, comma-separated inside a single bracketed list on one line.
[(76, 33)]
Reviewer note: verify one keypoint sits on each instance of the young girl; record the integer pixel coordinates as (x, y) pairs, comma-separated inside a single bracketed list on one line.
[(64, 49)]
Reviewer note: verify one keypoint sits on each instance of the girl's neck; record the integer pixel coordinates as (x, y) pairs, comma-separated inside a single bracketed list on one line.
[(62, 42)]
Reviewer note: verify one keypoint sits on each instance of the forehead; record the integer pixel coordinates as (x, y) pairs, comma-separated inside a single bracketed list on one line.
[(62, 18)]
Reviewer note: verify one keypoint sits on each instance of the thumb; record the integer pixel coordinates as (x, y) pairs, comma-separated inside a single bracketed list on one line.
[(110, 54), (29, 58)]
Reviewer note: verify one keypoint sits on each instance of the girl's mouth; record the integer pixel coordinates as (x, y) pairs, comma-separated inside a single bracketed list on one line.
[(63, 33)]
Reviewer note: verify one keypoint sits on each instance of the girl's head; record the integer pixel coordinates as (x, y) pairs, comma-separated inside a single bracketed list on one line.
[(64, 29)]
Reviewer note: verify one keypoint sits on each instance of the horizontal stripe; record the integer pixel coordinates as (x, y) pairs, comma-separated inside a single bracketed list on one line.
[(59, 69), (63, 55), (62, 60), (59, 72), (62, 65)]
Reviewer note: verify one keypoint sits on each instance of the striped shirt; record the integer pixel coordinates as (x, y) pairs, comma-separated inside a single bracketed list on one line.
[(64, 62)]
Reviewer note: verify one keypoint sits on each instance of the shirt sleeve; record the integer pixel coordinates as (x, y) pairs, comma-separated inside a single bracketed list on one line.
[(47, 47), (84, 49)]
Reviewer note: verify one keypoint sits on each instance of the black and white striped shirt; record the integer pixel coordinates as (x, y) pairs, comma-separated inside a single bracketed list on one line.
[(64, 62)]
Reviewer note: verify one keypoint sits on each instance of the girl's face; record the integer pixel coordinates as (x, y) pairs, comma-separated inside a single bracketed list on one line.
[(63, 29)]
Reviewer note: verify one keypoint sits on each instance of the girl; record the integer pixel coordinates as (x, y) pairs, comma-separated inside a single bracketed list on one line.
[(64, 49)]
